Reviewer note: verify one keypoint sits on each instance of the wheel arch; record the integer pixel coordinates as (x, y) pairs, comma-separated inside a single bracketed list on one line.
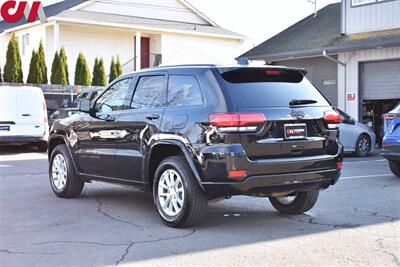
[(166, 148)]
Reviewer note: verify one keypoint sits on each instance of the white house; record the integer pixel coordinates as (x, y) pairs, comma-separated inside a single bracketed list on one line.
[(351, 51), (143, 33)]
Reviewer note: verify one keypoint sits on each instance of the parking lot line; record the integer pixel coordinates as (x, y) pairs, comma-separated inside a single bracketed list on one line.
[(366, 176)]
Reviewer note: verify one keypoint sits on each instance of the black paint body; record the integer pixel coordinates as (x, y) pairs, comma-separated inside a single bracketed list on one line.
[(273, 164)]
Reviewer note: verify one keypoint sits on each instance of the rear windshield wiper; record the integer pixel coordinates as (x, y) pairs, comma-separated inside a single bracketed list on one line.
[(297, 102)]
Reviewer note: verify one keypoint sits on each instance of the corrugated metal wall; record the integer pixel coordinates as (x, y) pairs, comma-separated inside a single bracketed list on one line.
[(380, 80)]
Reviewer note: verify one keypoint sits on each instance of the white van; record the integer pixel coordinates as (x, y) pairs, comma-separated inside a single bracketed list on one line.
[(23, 116)]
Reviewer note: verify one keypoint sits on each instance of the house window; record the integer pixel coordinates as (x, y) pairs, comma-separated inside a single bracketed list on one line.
[(364, 2), (25, 43)]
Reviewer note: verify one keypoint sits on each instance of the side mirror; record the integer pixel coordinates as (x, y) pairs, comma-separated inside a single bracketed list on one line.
[(84, 105)]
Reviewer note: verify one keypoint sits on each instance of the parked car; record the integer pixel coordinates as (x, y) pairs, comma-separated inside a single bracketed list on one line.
[(391, 141), (67, 112), (390, 116), (191, 134), (355, 136), (23, 116)]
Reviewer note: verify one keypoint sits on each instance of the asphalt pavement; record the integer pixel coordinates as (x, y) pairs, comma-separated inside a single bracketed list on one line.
[(354, 223)]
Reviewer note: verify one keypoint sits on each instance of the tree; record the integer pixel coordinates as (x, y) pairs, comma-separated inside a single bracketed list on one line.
[(41, 63), (113, 71), (99, 73), (95, 75), (33, 76), (64, 62), (119, 67), (1, 77), (82, 74), (13, 69)]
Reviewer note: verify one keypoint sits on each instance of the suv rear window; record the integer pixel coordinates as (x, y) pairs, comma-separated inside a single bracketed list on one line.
[(264, 87)]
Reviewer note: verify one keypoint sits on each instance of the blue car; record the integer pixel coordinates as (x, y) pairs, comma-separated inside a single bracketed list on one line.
[(391, 140)]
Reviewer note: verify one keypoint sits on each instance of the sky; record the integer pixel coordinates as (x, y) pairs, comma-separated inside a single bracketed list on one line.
[(258, 20)]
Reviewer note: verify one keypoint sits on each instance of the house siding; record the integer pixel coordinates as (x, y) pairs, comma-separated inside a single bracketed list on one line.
[(95, 42), (319, 69), (164, 10), (352, 85), (190, 49), (372, 17)]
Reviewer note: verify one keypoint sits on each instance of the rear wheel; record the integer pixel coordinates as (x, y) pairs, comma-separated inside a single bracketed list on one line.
[(179, 200), (296, 203), (63, 179), (363, 146), (395, 167)]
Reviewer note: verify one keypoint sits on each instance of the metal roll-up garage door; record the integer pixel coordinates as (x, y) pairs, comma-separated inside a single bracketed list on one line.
[(381, 80)]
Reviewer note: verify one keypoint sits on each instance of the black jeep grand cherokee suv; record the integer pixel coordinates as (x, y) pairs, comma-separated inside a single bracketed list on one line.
[(195, 133)]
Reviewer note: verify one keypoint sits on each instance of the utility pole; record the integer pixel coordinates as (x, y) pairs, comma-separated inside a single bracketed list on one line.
[(314, 2)]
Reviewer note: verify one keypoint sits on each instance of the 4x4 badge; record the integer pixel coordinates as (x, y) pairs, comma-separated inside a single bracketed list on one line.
[(297, 114)]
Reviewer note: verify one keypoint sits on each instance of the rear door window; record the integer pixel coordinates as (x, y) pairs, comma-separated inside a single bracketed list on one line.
[(262, 87), (151, 92), (184, 91)]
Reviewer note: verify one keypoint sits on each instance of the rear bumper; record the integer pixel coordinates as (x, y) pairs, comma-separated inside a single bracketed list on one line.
[(266, 185), (391, 152), (22, 139), (266, 176)]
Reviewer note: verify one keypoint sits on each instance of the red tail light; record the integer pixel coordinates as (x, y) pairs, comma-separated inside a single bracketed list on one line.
[(236, 119), (340, 165), (332, 116), (235, 174), (232, 122), (273, 72), (390, 116), (45, 119)]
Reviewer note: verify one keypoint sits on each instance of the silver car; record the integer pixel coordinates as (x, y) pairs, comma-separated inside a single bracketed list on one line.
[(355, 136)]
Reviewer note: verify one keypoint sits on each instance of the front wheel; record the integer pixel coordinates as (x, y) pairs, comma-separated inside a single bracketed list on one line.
[(295, 203), (395, 167), (63, 179), (179, 200), (363, 146)]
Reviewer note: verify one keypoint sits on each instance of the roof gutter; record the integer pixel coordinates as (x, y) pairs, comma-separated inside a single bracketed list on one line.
[(325, 55)]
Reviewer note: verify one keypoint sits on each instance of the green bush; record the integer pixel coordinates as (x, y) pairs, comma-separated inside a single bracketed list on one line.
[(82, 74), (33, 69), (113, 71), (64, 63), (99, 73), (13, 69), (41, 63), (119, 67)]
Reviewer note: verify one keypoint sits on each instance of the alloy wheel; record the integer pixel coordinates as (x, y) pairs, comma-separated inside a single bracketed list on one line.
[(59, 172), (170, 193)]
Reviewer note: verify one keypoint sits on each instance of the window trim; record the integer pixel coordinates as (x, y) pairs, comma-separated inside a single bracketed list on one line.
[(108, 88), (374, 2), (203, 99), (137, 80)]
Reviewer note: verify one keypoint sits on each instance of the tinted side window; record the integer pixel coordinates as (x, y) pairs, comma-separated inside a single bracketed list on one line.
[(183, 91), (114, 98), (150, 92)]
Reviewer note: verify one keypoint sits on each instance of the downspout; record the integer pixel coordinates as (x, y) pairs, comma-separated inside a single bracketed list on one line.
[(325, 55)]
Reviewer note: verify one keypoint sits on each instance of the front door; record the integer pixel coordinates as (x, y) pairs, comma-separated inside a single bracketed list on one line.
[(145, 52), (142, 122), (97, 136)]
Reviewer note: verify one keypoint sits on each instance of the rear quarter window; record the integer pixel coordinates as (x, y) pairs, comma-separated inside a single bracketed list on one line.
[(184, 91), (261, 87)]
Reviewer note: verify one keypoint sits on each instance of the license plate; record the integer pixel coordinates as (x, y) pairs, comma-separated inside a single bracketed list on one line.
[(295, 131), (5, 128)]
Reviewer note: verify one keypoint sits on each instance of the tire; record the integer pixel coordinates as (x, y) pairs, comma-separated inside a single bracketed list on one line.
[(189, 198), (301, 202), (42, 147), (363, 146), (395, 167), (65, 182)]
